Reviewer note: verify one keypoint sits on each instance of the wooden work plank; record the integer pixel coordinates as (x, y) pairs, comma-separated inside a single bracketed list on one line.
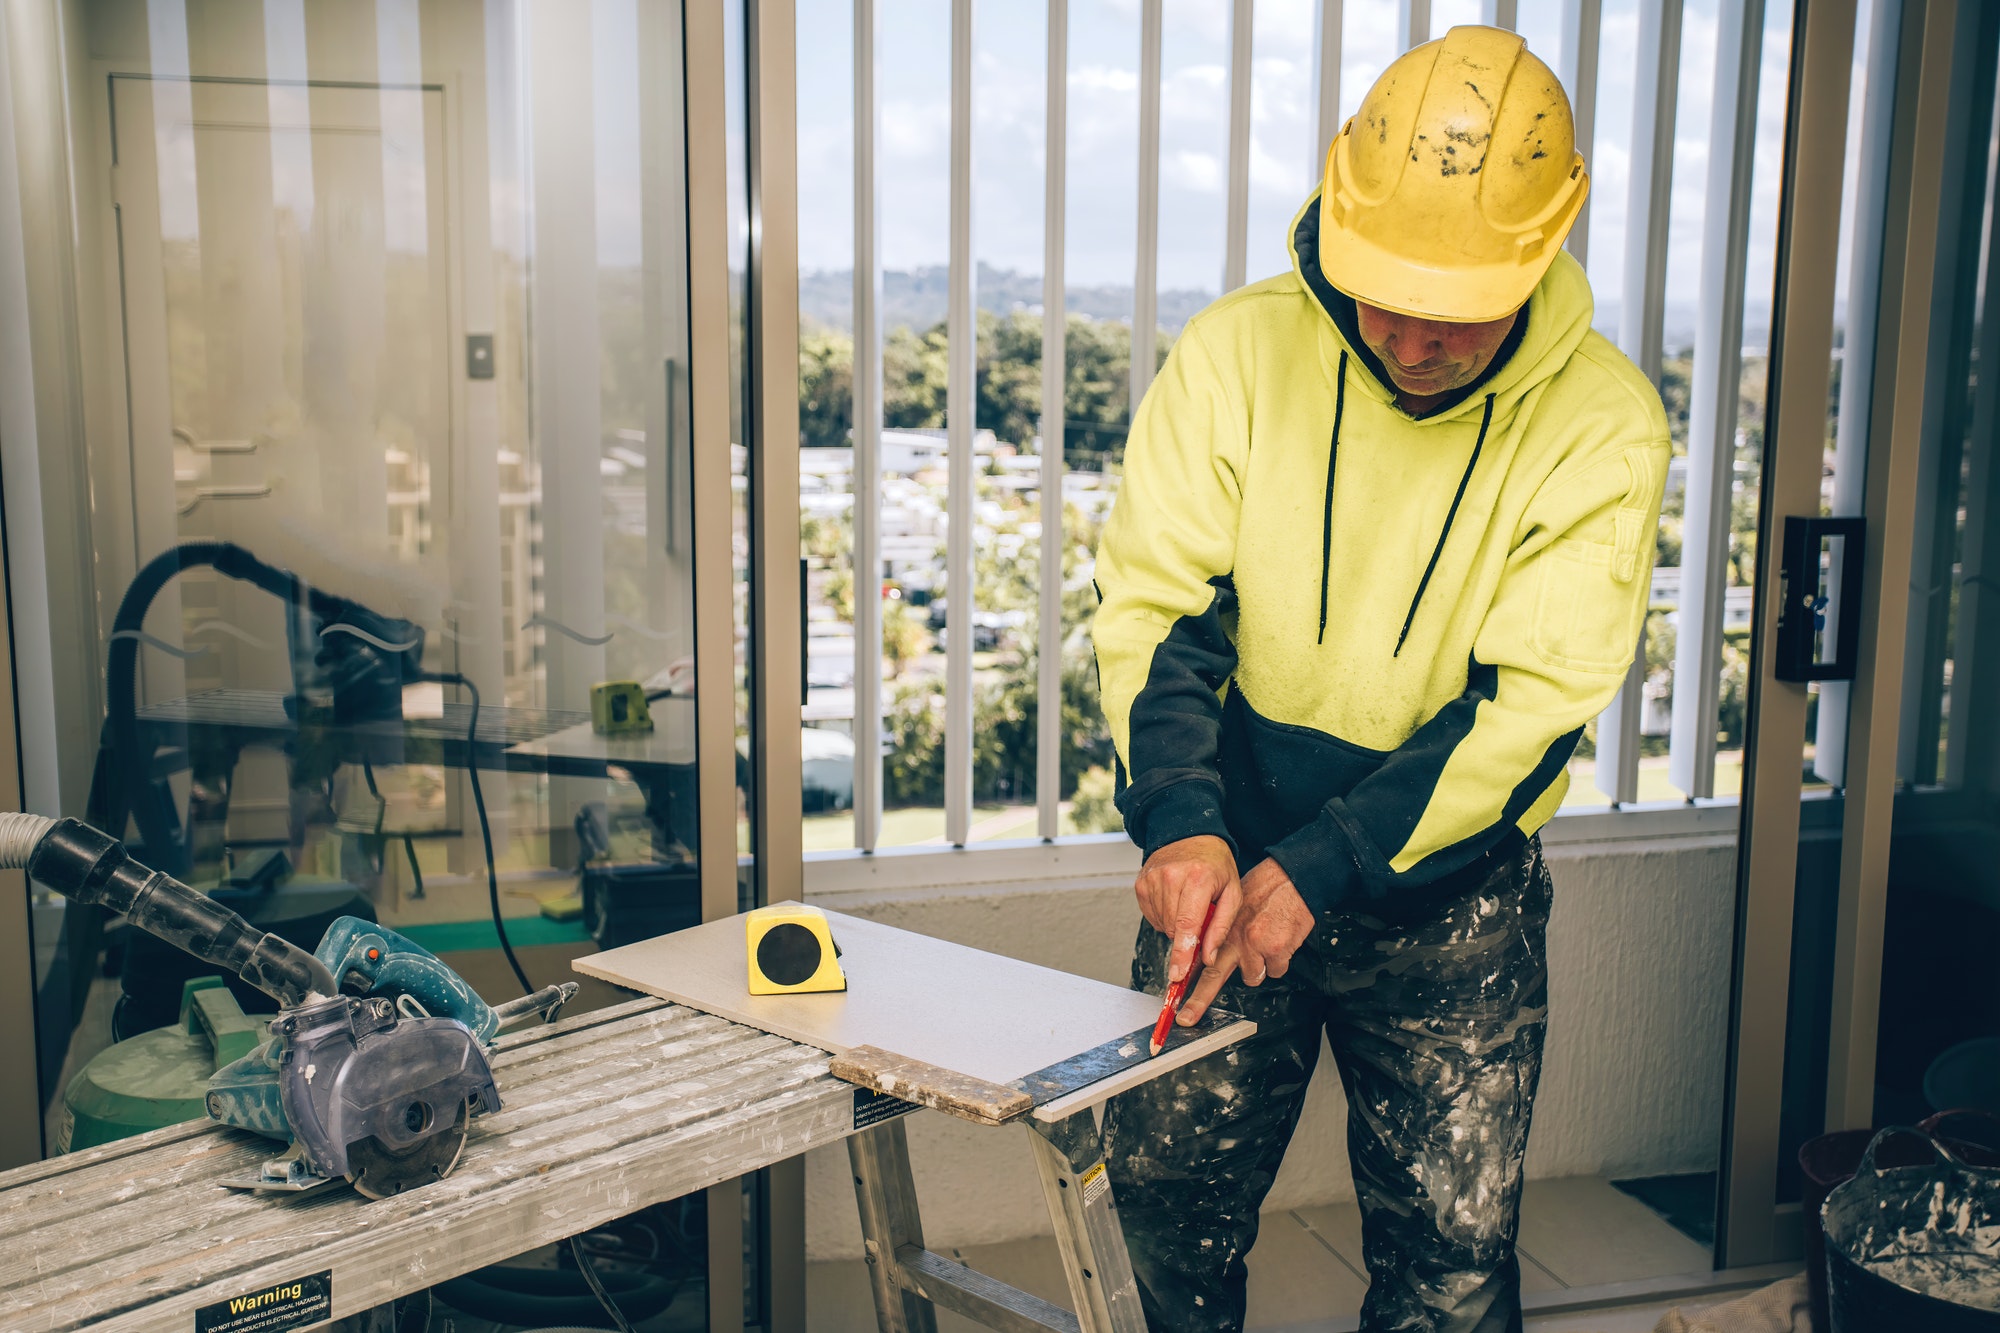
[(225, 1207), (75, 1230), (137, 1145), (70, 1166), (588, 1081), (181, 1161), (273, 1234), (239, 1155), (967, 1013), (557, 1050), (376, 1264), (593, 1084), (599, 1180), (601, 1162)]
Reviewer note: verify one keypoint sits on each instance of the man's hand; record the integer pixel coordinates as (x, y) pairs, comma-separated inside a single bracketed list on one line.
[(1273, 923), (1175, 888)]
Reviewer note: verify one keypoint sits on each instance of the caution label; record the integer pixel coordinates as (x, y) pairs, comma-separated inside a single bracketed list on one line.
[(298, 1303), (872, 1107), (1095, 1183)]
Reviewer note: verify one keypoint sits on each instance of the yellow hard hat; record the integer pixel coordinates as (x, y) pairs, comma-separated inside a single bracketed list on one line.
[(1448, 194)]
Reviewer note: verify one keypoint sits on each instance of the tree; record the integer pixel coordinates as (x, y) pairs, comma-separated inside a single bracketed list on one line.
[(1094, 809), (1010, 376), (905, 637), (826, 385), (914, 374)]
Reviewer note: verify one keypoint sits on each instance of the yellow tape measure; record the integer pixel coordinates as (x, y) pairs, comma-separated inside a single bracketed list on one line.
[(791, 951)]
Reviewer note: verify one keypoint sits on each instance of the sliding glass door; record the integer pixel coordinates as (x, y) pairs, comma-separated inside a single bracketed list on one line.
[(381, 540), (1862, 792)]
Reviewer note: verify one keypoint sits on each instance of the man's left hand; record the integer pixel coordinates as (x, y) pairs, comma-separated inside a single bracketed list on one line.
[(1269, 928)]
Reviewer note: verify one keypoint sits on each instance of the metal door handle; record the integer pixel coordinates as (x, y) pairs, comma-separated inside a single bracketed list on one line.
[(223, 493), (1819, 612), (214, 446)]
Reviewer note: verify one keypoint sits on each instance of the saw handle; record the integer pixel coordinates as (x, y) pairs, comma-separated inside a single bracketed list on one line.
[(88, 866)]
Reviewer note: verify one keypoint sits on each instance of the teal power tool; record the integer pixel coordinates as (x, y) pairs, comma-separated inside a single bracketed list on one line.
[(376, 1063)]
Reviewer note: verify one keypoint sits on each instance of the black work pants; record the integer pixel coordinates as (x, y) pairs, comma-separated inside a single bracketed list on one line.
[(1436, 1024)]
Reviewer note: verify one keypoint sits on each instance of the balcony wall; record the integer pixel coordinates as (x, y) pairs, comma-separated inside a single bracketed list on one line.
[(1639, 950)]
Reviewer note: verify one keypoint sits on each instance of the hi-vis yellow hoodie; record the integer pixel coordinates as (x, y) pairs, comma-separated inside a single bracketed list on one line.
[(1360, 642)]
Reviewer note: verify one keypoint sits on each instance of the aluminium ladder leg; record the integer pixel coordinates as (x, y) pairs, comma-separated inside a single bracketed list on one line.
[(1069, 1158), (909, 1280), (887, 1197)]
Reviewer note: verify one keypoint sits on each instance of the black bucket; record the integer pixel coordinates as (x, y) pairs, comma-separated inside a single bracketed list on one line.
[(1891, 1266), (1830, 1159)]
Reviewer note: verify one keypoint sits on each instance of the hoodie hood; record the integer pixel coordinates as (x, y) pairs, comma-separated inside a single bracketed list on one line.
[(1552, 326)]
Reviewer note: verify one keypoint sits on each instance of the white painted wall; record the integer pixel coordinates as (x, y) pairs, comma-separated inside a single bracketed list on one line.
[(1639, 949)]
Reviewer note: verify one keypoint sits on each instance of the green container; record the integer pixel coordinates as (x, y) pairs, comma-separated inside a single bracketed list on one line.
[(158, 1078)]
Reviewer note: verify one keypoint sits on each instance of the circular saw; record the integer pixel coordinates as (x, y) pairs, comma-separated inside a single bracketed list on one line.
[(376, 1064)]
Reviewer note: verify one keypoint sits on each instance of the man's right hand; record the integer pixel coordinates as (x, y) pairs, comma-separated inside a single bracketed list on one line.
[(1175, 888)]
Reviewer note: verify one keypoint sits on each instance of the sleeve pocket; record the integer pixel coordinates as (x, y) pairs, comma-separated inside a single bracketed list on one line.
[(1584, 618)]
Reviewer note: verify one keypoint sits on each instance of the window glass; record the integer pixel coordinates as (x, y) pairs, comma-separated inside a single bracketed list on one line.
[(387, 461)]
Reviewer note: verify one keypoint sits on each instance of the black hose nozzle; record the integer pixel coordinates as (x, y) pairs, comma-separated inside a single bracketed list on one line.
[(88, 866)]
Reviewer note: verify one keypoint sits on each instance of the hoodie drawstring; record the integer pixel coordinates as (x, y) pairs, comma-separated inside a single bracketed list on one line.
[(1326, 530), (1485, 421)]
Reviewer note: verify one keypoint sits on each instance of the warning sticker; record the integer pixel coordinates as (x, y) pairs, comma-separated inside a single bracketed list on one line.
[(872, 1107), (1095, 1182), (298, 1303)]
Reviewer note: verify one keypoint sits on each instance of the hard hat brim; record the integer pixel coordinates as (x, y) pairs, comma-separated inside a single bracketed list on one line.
[(1377, 277), (1375, 263)]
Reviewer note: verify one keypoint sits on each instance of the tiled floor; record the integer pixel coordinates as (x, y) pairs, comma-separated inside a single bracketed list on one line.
[(1306, 1268)]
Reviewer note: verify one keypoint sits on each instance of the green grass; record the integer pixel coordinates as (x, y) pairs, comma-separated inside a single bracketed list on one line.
[(1653, 781), (907, 827)]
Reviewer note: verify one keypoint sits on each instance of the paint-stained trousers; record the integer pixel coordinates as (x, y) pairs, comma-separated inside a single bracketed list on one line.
[(1436, 1024)]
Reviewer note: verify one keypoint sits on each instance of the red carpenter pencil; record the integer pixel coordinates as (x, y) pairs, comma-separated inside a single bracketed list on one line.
[(1178, 991)]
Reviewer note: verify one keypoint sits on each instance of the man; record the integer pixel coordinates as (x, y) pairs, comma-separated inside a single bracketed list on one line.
[(1381, 550)]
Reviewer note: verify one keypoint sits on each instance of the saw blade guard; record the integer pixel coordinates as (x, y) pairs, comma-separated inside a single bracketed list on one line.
[(353, 1069), (244, 1094), (367, 958)]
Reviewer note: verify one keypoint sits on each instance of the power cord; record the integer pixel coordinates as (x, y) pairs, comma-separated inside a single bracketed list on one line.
[(596, 1284), (583, 1263), (416, 871), (485, 824), (409, 843)]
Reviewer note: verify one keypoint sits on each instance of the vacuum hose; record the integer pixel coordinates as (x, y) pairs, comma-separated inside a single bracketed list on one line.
[(158, 832), (87, 866)]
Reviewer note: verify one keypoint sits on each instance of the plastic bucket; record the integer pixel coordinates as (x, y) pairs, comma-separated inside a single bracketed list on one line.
[(1825, 1162), (1831, 1159), (1902, 1246)]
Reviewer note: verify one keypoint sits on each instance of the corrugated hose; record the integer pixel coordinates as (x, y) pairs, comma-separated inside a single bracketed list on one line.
[(19, 835)]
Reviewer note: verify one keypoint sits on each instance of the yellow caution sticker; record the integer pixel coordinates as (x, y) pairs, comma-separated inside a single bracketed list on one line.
[(1094, 1182)]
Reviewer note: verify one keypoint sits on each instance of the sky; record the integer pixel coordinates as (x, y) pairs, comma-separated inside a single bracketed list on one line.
[(1102, 144)]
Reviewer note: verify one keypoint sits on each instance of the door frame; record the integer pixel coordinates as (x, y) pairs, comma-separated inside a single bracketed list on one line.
[(1753, 1226)]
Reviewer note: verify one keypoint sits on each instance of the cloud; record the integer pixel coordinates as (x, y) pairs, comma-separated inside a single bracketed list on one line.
[(1102, 140)]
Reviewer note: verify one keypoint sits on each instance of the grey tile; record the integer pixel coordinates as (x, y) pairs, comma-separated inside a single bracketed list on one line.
[(1338, 1226), (1624, 1319), (1033, 1265), (839, 1299), (1306, 1266), (1295, 1277), (1586, 1233)]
